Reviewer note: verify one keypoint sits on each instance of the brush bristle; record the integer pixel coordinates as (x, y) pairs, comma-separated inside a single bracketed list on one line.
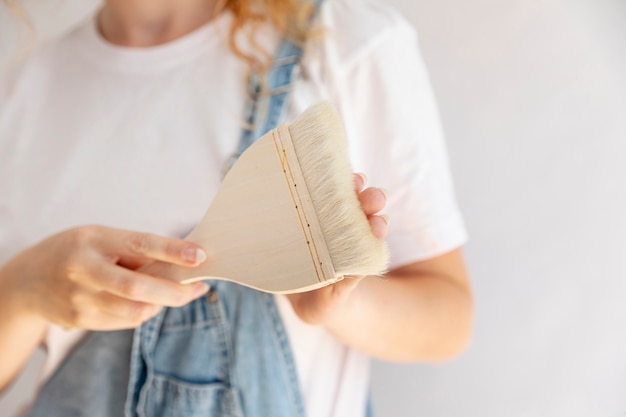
[(320, 146)]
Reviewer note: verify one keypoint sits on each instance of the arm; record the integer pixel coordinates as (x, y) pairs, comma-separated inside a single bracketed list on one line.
[(86, 278), (21, 334), (420, 311)]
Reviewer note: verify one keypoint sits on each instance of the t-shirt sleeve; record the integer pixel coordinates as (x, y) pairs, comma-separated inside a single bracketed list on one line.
[(395, 138)]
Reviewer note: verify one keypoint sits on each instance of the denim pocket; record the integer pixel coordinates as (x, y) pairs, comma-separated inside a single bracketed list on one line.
[(169, 397), (193, 344)]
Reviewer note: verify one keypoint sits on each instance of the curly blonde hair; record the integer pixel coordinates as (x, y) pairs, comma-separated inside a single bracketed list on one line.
[(290, 17)]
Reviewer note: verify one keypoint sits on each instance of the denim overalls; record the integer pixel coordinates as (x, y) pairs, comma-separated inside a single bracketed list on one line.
[(226, 354)]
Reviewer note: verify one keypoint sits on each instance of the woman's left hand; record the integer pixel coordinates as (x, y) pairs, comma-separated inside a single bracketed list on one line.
[(319, 306)]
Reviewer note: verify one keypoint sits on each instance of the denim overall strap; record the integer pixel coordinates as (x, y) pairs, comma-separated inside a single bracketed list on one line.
[(264, 106), (282, 74)]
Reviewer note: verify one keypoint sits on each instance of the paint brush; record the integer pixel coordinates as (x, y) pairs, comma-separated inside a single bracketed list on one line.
[(286, 217)]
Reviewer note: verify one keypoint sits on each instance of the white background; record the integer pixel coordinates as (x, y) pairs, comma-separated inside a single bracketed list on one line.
[(533, 99)]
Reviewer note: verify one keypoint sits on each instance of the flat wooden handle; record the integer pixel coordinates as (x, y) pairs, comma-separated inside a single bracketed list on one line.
[(261, 228)]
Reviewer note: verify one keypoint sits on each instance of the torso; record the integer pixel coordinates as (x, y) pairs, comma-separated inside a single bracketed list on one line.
[(137, 139)]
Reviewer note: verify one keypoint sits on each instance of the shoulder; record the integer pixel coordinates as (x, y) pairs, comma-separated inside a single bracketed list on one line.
[(37, 69), (354, 28)]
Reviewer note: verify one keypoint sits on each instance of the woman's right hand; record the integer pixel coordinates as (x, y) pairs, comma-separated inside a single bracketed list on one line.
[(88, 278)]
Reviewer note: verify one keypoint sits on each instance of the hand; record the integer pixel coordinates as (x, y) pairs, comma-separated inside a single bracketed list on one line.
[(319, 306), (88, 277)]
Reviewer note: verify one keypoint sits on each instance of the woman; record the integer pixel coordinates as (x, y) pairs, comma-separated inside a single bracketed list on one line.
[(112, 143)]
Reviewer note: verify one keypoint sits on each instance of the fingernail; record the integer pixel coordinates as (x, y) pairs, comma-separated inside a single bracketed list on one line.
[(200, 256), (385, 217), (384, 191), (363, 177), (202, 289), (194, 255)]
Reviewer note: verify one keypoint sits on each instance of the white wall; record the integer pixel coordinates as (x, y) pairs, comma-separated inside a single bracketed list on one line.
[(533, 99)]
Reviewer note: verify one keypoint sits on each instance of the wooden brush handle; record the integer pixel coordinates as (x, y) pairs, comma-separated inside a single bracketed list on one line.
[(261, 229)]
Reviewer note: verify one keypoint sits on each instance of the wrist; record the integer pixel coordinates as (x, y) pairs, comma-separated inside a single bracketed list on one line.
[(343, 313), (347, 307), (360, 309), (15, 300)]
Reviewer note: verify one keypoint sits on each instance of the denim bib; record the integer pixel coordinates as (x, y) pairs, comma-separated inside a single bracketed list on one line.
[(226, 354)]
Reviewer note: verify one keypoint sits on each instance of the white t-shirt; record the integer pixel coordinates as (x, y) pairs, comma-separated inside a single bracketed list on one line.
[(92, 133)]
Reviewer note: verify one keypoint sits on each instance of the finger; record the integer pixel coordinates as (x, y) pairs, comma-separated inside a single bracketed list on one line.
[(132, 263), (105, 322), (91, 310), (372, 200), (98, 321), (347, 284), (130, 246), (379, 225), (134, 311), (318, 306), (136, 286), (360, 180)]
